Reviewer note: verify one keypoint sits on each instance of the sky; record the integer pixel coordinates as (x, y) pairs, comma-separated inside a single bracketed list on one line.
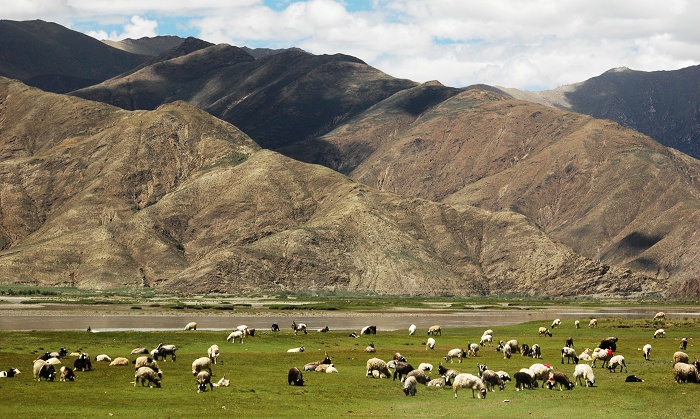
[(525, 44)]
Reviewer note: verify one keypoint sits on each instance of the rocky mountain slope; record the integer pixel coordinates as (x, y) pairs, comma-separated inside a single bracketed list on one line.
[(100, 197)]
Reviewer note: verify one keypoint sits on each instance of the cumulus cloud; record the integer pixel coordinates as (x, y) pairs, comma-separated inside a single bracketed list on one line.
[(526, 44)]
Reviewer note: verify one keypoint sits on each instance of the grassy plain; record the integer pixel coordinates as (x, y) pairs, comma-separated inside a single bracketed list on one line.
[(258, 373)]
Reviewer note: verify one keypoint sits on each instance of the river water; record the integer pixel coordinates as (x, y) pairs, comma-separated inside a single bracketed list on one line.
[(393, 319)]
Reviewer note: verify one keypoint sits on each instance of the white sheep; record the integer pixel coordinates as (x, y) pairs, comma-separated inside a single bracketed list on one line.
[(685, 373), (660, 316), (435, 330), (223, 382), (430, 344), (119, 361), (603, 354), (486, 339), (593, 323), (584, 375), (544, 331), (536, 351), (556, 323), (331, 369), (437, 382), (541, 372), (506, 352), (191, 326), (213, 353), (617, 360), (680, 357), (295, 350), (204, 378), (146, 375), (9, 373), (646, 350), (147, 361), (53, 361), (323, 367), (370, 348), (455, 353), (412, 329), (660, 333), (201, 364), (569, 354), (585, 355), (378, 366), (419, 376), (236, 334), (424, 366), (577, 324), (469, 381), (488, 332), (473, 349), (409, 386), (103, 358)]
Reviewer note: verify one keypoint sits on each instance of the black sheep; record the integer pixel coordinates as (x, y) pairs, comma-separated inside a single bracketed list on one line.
[(524, 380), (295, 377), (402, 368)]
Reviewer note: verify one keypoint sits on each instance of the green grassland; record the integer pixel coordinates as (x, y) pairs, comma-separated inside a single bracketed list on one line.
[(258, 373)]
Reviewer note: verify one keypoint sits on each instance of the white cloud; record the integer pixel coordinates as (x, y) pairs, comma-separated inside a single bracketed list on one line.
[(526, 43)]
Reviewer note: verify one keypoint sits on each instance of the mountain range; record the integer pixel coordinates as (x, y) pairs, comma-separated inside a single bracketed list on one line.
[(212, 168)]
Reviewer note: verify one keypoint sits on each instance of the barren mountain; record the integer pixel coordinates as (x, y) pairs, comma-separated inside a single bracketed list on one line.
[(606, 191), (100, 197), (57, 59), (660, 104), (153, 46)]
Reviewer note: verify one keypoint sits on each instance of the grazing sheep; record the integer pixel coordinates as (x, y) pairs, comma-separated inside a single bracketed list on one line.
[(236, 334), (201, 364), (455, 353), (83, 363), (66, 374), (524, 380), (506, 352), (295, 350), (556, 323), (504, 376), (536, 351), (419, 376), (400, 368), (204, 378), (684, 344), (301, 327), (593, 323), (430, 344), (398, 357), (544, 331), (525, 350), (10, 373), (486, 339), (617, 360), (584, 375), (561, 379), (514, 346), (646, 350), (685, 373), (139, 351), (469, 381), (660, 316), (369, 330), (147, 361), (213, 353), (491, 379), (660, 333), (162, 352), (603, 354), (540, 372), (370, 348), (223, 382), (191, 326), (409, 386), (294, 376), (119, 361), (103, 358), (585, 355), (437, 382), (449, 374), (146, 375), (569, 343), (275, 327), (633, 379), (577, 324), (412, 330), (435, 330), (609, 343), (376, 364), (424, 366), (680, 357), (569, 354), (472, 349)]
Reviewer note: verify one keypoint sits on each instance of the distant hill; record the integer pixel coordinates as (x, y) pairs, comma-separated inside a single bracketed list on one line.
[(660, 104), (56, 59), (152, 46), (99, 197)]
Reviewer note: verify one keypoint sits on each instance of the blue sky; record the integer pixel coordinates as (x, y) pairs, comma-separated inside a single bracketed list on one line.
[(527, 44)]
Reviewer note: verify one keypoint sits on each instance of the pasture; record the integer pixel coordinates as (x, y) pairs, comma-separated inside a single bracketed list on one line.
[(258, 369)]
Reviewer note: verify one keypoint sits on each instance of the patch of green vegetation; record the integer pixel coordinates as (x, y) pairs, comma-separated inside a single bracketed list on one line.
[(261, 389), (233, 159)]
